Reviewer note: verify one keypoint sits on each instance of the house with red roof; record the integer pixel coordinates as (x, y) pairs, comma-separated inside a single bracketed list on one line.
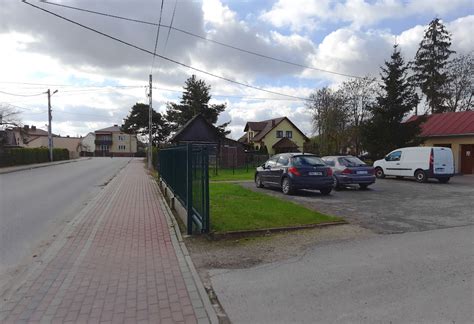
[(454, 130)]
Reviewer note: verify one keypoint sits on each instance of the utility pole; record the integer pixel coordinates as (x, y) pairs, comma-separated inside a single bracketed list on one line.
[(149, 127), (50, 134)]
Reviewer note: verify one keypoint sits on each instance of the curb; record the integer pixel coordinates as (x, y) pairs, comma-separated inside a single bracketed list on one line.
[(42, 165), (263, 231), (178, 243)]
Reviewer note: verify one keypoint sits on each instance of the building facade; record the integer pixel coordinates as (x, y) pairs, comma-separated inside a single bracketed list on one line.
[(454, 130), (111, 141), (278, 135)]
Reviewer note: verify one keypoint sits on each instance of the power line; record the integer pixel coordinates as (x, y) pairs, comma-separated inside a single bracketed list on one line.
[(157, 37), (171, 25), (206, 39), (163, 57), (232, 96), (22, 95)]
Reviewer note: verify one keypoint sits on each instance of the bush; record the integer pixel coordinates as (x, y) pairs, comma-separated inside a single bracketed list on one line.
[(21, 156)]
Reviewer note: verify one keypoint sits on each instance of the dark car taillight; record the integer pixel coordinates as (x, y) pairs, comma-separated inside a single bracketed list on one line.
[(294, 171), (346, 171), (329, 172)]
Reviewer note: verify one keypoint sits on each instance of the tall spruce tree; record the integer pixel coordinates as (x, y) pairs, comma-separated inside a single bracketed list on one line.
[(430, 65), (194, 101), (385, 131)]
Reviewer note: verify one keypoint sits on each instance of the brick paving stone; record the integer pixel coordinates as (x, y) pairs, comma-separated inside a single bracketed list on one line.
[(117, 263)]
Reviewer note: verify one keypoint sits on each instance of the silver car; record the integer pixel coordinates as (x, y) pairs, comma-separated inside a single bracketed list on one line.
[(350, 170)]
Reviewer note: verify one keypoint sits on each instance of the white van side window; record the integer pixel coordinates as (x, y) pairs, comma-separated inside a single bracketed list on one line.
[(395, 156)]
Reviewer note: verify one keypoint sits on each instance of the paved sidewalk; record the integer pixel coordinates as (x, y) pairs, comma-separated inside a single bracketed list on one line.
[(117, 262)]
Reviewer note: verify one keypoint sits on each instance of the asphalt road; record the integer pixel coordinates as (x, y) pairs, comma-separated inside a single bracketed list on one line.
[(415, 277), (395, 206), (34, 204)]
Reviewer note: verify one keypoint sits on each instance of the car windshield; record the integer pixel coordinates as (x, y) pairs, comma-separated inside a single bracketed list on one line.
[(350, 161), (307, 161)]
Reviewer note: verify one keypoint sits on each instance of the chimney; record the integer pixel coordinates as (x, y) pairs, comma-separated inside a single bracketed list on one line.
[(33, 128), (26, 127), (115, 125), (273, 122)]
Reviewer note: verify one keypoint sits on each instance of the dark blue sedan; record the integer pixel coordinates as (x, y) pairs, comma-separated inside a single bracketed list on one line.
[(292, 171), (350, 170)]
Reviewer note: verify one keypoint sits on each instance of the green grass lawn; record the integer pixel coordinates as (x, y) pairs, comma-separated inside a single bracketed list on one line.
[(235, 208), (228, 175)]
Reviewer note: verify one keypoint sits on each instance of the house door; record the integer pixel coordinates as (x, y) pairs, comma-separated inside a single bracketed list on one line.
[(467, 159)]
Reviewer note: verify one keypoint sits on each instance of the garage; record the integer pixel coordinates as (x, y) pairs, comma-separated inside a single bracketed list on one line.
[(454, 130)]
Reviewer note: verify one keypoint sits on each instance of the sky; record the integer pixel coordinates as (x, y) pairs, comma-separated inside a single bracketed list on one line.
[(99, 79)]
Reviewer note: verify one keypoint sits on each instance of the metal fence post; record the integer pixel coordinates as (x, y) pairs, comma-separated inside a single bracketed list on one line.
[(206, 216), (189, 187)]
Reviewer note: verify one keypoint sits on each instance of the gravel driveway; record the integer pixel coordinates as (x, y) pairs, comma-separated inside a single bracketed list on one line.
[(395, 206)]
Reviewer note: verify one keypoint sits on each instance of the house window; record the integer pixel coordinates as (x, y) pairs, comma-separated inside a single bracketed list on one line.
[(121, 138), (289, 134), (279, 134), (121, 147)]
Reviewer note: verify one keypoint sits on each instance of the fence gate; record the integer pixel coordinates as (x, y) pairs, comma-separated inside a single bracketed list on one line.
[(185, 170)]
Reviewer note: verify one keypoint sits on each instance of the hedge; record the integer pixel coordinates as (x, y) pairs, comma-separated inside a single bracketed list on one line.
[(20, 156)]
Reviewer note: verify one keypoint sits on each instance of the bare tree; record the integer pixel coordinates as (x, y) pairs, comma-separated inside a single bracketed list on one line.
[(359, 96), (9, 116), (330, 120), (460, 86)]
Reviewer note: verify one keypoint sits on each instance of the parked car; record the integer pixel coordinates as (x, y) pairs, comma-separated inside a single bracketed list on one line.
[(420, 162), (350, 170), (292, 171)]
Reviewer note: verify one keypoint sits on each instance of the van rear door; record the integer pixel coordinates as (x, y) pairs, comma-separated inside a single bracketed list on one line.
[(443, 162)]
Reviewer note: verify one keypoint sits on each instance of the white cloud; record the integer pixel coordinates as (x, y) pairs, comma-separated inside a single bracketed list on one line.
[(309, 15)]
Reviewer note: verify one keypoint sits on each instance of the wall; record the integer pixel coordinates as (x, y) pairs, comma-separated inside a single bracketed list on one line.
[(88, 144), (455, 146), (270, 139), (129, 141)]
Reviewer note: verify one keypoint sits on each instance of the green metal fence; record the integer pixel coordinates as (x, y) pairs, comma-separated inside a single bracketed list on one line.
[(185, 171)]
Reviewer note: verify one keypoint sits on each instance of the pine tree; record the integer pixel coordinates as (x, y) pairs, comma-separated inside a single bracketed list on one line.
[(194, 101), (430, 65), (137, 123), (385, 131)]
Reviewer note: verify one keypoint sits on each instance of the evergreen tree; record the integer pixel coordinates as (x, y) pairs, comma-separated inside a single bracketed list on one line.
[(430, 65), (195, 100), (385, 131), (137, 123)]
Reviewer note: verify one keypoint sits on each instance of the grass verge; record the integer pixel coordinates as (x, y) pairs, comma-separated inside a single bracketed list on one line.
[(234, 208), (229, 175)]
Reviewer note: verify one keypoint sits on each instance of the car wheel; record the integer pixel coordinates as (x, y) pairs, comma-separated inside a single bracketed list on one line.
[(258, 181), (420, 176), (286, 186), (363, 186), (444, 180), (337, 185), (325, 191), (379, 173)]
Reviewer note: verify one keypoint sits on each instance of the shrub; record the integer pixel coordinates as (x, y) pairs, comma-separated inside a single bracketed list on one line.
[(21, 156)]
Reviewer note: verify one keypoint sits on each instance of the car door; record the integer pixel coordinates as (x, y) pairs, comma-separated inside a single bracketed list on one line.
[(392, 163), (265, 172), (279, 168)]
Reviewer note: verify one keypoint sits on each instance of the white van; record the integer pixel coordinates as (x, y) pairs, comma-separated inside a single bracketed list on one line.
[(420, 162)]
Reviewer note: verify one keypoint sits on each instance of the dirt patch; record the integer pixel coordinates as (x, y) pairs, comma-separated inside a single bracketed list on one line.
[(251, 251)]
